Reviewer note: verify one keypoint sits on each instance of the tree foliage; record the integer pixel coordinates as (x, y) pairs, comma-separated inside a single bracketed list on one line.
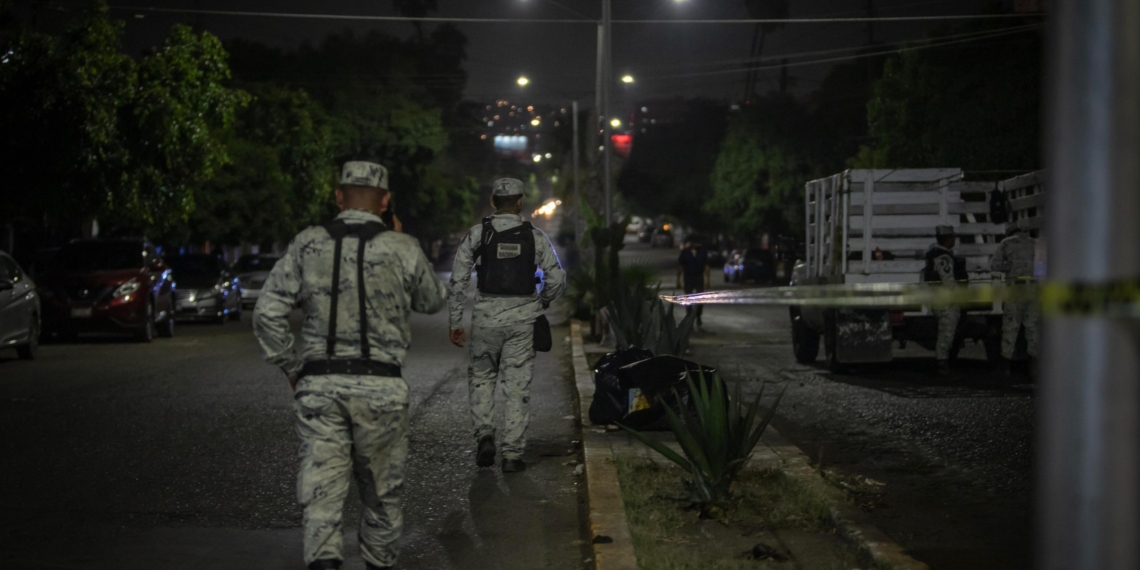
[(102, 135), (960, 107), (757, 182)]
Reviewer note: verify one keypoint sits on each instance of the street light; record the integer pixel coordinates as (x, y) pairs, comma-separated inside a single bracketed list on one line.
[(615, 123), (627, 78), (523, 81)]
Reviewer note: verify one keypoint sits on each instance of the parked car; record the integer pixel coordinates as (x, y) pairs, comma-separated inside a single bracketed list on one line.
[(751, 265), (662, 237), (637, 224), (205, 289), (19, 309), (252, 270), (731, 261), (108, 285)]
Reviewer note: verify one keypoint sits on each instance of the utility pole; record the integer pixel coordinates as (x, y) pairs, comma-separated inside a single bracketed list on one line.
[(1088, 490), (607, 81)]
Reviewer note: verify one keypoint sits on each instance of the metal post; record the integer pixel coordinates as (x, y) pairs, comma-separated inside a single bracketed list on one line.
[(1089, 441), (577, 189), (606, 81)]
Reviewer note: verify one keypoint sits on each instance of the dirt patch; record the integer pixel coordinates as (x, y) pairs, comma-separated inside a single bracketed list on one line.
[(772, 522)]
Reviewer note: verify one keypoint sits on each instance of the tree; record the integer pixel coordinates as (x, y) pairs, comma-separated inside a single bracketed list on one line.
[(378, 106), (958, 107), (757, 182), (101, 135), (280, 176)]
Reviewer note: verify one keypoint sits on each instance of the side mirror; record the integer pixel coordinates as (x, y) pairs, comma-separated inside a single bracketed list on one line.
[(7, 285)]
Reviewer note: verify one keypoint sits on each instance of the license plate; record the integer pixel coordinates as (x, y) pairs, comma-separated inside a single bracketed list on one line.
[(81, 313)]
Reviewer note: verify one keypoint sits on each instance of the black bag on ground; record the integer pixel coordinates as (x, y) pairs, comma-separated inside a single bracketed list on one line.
[(658, 382), (611, 398), (543, 341)]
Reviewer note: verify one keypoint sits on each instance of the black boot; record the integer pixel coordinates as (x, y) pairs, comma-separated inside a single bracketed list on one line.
[(513, 465), (485, 457), (324, 565), (370, 566)]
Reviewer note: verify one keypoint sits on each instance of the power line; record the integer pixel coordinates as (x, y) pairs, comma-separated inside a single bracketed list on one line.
[(778, 57), (847, 58), (439, 19)]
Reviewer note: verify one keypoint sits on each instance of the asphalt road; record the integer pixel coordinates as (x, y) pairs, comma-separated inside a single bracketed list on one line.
[(181, 454), (955, 454)]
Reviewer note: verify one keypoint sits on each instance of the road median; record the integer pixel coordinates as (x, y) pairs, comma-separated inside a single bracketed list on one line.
[(609, 522)]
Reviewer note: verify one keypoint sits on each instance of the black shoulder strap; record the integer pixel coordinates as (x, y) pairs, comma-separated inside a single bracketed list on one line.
[(364, 232), (484, 238)]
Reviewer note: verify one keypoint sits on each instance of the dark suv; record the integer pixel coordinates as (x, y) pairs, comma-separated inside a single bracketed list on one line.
[(118, 285)]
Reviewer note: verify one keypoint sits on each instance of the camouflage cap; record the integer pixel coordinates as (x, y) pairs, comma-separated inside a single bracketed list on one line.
[(944, 231), (507, 187), (360, 173)]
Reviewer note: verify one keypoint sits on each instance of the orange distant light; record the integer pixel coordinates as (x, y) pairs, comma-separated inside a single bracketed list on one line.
[(666, 227)]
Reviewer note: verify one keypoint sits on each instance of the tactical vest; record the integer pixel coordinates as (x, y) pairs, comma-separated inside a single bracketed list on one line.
[(507, 260), (930, 274)]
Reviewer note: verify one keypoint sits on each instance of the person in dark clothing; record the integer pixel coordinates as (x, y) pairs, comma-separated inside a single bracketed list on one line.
[(693, 271)]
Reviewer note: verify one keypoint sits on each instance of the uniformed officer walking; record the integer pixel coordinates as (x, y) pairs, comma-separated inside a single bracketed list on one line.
[(506, 307), (357, 283), (1015, 258), (943, 267)]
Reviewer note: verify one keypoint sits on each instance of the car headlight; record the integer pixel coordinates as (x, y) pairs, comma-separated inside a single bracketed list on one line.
[(127, 288)]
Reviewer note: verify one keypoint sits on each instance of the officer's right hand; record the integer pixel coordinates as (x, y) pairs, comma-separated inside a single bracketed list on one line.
[(458, 337)]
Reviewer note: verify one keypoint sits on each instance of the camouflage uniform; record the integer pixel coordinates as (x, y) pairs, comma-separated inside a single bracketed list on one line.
[(1015, 258), (948, 317), (348, 421), (502, 336)]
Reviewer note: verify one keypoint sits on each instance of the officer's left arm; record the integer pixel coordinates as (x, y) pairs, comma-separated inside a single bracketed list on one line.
[(553, 277), (271, 314)]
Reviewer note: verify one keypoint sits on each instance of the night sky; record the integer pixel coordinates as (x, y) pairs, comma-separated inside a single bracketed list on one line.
[(560, 58)]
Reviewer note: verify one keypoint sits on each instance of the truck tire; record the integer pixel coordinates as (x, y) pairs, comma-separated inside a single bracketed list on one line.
[(805, 342)]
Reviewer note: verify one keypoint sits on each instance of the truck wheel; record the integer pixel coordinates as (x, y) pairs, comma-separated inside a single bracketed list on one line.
[(805, 342)]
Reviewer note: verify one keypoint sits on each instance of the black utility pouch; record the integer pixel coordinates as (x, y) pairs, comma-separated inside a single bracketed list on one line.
[(542, 339)]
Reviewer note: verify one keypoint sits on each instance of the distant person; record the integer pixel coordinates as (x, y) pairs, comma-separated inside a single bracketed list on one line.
[(943, 267), (880, 255), (507, 307), (1015, 258), (693, 272), (357, 282)]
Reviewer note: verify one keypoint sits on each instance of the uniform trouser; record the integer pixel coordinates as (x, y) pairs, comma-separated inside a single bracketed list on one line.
[(1013, 317), (509, 351), (347, 425), (947, 329), (695, 285)]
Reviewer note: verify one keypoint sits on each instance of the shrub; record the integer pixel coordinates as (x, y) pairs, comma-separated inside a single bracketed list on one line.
[(717, 437)]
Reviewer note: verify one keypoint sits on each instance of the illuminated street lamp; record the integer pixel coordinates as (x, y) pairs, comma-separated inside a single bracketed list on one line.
[(627, 78), (615, 123), (523, 81)]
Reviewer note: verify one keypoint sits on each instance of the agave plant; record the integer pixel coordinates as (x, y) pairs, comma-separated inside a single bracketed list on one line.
[(672, 338), (717, 436)]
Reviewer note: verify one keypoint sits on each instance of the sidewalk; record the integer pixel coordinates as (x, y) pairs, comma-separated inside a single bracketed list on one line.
[(604, 448)]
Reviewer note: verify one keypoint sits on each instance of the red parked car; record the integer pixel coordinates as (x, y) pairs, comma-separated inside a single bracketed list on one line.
[(113, 285)]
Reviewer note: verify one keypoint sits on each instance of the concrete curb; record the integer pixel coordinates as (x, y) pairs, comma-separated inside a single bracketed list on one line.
[(606, 507)]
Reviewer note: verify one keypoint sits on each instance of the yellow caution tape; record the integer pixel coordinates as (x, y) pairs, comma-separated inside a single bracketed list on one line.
[(1120, 299)]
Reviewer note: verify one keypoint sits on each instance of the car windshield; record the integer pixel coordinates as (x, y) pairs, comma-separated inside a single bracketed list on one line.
[(252, 263), (82, 257), (195, 266)]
